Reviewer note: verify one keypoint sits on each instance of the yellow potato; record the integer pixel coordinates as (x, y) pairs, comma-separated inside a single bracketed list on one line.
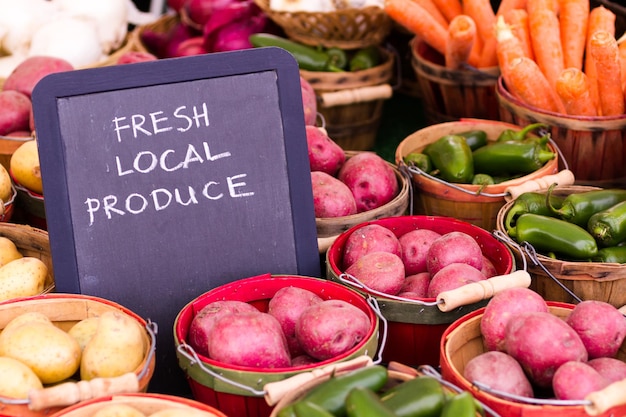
[(118, 410), (25, 167), (50, 352), (84, 330), (117, 348), (26, 317), (22, 277), (16, 379), (5, 184), (181, 412), (8, 251)]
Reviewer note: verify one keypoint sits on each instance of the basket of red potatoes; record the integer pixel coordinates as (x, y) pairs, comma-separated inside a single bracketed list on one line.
[(415, 266), (524, 356)]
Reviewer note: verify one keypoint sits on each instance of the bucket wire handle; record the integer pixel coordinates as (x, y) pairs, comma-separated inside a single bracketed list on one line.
[(373, 302), (73, 392), (529, 400), (432, 372), (503, 237), (532, 254), (354, 282)]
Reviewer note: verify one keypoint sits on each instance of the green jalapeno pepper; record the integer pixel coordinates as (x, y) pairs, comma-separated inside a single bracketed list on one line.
[(483, 179), (531, 202), (363, 402), (422, 396), (475, 138), (608, 226), (309, 409), (502, 158), (308, 58), (611, 254), (550, 234), (331, 395), (337, 58), (519, 135), (460, 405), (287, 411), (579, 207), (365, 58), (420, 160), (452, 157)]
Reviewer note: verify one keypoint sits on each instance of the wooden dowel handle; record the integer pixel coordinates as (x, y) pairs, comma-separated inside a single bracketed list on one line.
[(355, 95), (72, 392), (603, 400), (565, 177)]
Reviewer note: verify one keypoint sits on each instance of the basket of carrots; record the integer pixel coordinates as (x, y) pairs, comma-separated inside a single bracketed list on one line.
[(572, 77), (453, 55)]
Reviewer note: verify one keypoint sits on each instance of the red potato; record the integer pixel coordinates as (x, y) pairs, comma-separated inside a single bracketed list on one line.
[(611, 368), (575, 380), (249, 339), (303, 360), (453, 276), (16, 111), (202, 323), (454, 247), (287, 305), (416, 284), (331, 328), (498, 371), (371, 180), (309, 102), (488, 269), (502, 306), (541, 342), (600, 325), (415, 245), (325, 155), (380, 271), (130, 57), (367, 239), (30, 71), (331, 197)]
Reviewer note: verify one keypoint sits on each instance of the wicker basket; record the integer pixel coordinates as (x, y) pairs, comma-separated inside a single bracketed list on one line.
[(351, 103), (348, 28), (463, 341), (33, 242), (162, 25), (461, 201), (65, 310), (328, 228), (587, 280)]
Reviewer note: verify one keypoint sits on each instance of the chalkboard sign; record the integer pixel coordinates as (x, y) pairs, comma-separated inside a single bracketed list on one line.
[(165, 179)]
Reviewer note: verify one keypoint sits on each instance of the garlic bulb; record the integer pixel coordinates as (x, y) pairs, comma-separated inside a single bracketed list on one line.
[(18, 21)]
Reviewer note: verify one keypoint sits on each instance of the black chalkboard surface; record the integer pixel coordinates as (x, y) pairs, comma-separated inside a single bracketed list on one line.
[(165, 179)]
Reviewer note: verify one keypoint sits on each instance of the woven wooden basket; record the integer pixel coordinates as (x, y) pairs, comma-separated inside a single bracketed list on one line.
[(328, 228), (587, 280), (348, 28), (33, 242), (65, 310), (161, 25)]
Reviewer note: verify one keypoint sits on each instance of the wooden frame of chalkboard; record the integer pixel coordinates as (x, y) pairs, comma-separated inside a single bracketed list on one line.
[(165, 179)]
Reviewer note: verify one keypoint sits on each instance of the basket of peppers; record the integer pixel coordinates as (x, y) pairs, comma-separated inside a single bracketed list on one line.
[(572, 239), (376, 390), (468, 169)]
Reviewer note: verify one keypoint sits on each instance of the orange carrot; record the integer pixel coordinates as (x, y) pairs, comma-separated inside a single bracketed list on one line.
[(417, 20), (518, 20), (572, 87), (434, 11), (449, 8), (485, 18), (525, 80), (600, 18), (534, 5), (604, 53), (621, 43), (507, 5), (573, 17), (508, 45), (546, 41), (461, 37)]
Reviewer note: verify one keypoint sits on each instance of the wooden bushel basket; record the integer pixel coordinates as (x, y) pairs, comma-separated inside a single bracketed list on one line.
[(328, 228), (453, 94), (594, 147), (463, 341), (587, 280), (65, 310), (351, 103), (464, 203)]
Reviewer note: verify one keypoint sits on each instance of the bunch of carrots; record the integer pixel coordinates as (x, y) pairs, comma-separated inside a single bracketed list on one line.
[(560, 56)]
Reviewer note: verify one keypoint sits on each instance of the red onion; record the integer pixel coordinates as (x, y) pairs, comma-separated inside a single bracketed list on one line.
[(236, 34), (199, 11), (191, 46)]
